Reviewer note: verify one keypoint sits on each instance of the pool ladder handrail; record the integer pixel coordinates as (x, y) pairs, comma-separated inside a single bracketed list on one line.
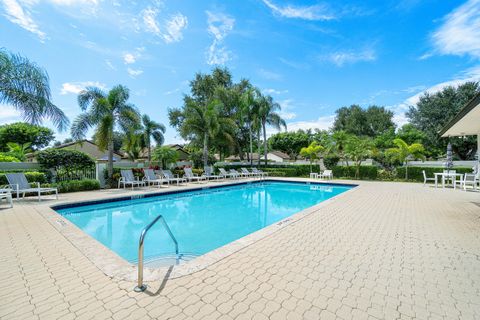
[(140, 285)]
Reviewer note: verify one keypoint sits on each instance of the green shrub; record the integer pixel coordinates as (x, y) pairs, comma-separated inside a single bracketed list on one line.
[(65, 163), (32, 176), (302, 170), (415, 173), (76, 185), (7, 158), (366, 172)]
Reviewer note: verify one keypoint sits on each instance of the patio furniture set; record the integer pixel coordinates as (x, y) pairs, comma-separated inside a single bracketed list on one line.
[(450, 176), (326, 174)]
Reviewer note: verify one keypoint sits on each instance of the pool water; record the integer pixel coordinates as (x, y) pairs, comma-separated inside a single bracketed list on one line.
[(201, 220)]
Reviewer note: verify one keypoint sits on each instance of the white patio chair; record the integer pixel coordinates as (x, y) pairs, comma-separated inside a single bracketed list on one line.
[(469, 179), (259, 172), (236, 174), (425, 179), (7, 195), (151, 178), (247, 173), (129, 179), (209, 173), (327, 174), (225, 174), (170, 177), (190, 176), (19, 184)]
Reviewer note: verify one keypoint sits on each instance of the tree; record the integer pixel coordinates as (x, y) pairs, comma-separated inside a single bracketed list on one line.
[(25, 86), (403, 152), (23, 133), (249, 114), (19, 151), (289, 142), (267, 113), (132, 144), (165, 155), (358, 149), (151, 129), (370, 122), (341, 140), (410, 134), (203, 116), (433, 111), (105, 112), (312, 152)]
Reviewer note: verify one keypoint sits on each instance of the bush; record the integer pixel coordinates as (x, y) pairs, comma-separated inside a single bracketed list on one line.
[(8, 158), (76, 185), (366, 172), (330, 161), (415, 173), (302, 170), (65, 162), (32, 176)]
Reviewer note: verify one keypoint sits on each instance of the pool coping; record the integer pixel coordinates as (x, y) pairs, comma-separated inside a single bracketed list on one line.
[(114, 266)]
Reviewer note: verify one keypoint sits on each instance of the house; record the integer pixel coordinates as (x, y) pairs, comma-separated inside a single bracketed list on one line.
[(183, 155), (85, 146), (272, 156)]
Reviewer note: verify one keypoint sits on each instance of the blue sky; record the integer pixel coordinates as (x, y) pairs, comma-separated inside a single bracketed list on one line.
[(311, 56)]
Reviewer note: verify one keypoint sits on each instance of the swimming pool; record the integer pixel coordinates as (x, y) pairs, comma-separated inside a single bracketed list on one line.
[(201, 220)]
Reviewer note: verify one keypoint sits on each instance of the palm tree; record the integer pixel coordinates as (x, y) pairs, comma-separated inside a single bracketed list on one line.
[(340, 140), (152, 129), (403, 152), (267, 113), (132, 144), (249, 112), (312, 152), (105, 111), (25, 86), (200, 123)]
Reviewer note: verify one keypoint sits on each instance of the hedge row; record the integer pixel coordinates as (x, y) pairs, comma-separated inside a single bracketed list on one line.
[(366, 172), (415, 173), (76, 185), (32, 176), (280, 171)]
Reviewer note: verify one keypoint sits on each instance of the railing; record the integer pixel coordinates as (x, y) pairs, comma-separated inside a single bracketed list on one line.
[(140, 285)]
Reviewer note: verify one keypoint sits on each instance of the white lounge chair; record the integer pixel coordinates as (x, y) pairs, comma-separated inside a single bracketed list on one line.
[(327, 174), (425, 179), (259, 172), (209, 173), (170, 177), (190, 176), (469, 179), (7, 195), (235, 173), (226, 174), (129, 179), (19, 184), (151, 178), (247, 173)]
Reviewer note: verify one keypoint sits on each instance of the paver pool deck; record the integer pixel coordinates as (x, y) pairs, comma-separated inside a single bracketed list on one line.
[(384, 251)]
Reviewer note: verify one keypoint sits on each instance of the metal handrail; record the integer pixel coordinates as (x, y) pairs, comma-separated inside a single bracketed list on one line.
[(140, 285)]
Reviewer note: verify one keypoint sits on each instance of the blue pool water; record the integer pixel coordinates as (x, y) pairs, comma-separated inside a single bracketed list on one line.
[(201, 220)]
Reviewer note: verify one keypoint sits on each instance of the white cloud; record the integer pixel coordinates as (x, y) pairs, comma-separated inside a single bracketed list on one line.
[(269, 75), (315, 12), (110, 64), (75, 2), (8, 113), (174, 28), (399, 109), (274, 91), (21, 16), (129, 58), (134, 72), (322, 123), (149, 16), (341, 58), (219, 26), (285, 112), (77, 87), (460, 32)]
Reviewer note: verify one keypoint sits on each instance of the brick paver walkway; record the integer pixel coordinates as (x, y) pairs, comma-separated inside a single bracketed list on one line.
[(384, 251)]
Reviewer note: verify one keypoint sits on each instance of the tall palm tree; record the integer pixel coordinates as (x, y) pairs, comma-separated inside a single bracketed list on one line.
[(199, 123), (152, 129), (267, 113), (25, 86), (105, 111), (132, 144), (249, 112)]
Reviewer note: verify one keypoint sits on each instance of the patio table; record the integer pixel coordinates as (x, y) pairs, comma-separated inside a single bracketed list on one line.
[(447, 175)]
